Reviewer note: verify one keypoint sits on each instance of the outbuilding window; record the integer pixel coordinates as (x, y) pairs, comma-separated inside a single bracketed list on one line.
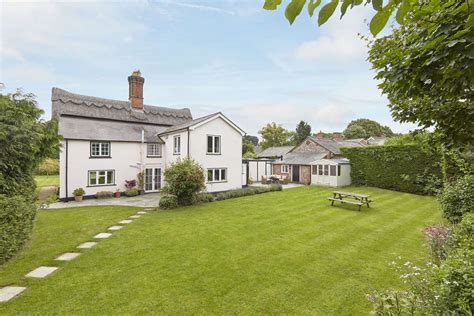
[(213, 144), (101, 177), (333, 169), (100, 149), (326, 170), (285, 169)]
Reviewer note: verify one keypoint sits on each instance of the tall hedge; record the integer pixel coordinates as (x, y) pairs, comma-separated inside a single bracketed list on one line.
[(405, 168)]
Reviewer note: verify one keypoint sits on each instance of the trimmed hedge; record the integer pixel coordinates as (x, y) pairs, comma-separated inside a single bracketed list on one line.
[(405, 168), (17, 214)]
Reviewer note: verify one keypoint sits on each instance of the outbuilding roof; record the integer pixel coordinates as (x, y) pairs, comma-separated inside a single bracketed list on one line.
[(274, 151), (300, 158)]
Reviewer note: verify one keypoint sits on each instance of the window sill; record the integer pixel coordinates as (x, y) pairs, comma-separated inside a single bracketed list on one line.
[(101, 185), (100, 157), (213, 154), (176, 154), (154, 156), (212, 182)]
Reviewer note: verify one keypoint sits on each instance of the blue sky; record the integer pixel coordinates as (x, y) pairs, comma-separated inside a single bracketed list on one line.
[(229, 56)]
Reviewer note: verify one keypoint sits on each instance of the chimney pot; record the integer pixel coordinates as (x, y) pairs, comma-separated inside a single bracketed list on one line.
[(135, 89)]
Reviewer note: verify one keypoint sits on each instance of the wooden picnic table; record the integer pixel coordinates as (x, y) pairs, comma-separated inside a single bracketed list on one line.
[(358, 199)]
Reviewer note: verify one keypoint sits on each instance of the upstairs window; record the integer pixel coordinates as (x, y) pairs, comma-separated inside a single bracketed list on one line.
[(213, 144), (100, 149), (177, 145), (217, 175), (153, 150)]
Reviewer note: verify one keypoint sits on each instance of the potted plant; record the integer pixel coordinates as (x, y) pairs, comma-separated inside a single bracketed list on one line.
[(78, 194), (141, 182), (117, 193), (130, 185)]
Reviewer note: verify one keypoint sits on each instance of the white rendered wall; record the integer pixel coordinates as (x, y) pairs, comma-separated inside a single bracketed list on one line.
[(125, 160), (230, 157)]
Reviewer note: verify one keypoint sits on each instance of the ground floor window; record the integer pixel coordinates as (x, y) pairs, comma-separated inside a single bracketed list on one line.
[(101, 177), (314, 170), (217, 175), (285, 168)]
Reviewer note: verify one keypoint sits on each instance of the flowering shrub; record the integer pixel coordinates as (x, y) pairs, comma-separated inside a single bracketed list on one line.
[(184, 179), (438, 238), (130, 184)]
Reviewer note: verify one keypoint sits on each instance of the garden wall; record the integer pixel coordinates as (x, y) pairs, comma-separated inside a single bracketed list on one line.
[(405, 168)]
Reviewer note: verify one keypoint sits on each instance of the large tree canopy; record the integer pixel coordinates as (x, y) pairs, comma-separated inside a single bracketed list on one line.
[(364, 128), (427, 70), (274, 135)]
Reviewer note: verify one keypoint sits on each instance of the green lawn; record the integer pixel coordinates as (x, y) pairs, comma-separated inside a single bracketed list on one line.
[(280, 252), (43, 181)]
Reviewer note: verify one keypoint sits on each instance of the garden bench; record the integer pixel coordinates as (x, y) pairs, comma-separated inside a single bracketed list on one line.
[(357, 199)]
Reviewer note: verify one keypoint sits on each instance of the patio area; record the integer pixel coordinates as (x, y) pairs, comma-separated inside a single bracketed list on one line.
[(146, 200)]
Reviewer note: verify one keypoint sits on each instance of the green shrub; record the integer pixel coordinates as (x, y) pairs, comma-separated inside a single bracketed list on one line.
[(104, 194), (204, 198), (184, 179), (168, 202), (78, 192), (48, 167), (405, 168), (17, 214), (276, 187), (131, 192), (457, 199)]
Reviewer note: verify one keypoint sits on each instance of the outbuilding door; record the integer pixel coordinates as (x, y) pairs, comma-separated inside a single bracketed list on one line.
[(296, 173)]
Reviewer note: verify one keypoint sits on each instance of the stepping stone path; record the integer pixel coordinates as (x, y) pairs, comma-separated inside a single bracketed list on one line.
[(126, 221), (41, 272), (9, 292), (135, 216), (103, 235), (115, 228), (141, 212), (68, 256), (86, 245)]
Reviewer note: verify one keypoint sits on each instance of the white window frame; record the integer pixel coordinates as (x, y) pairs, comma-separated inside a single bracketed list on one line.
[(98, 175), (285, 169), (177, 145), (219, 172), (215, 151), (153, 150), (103, 149)]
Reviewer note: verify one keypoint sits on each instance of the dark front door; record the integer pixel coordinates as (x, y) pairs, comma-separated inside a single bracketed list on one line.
[(296, 173)]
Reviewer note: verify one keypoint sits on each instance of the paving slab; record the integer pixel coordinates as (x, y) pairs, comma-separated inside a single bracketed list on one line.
[(86, 245), (135, 216), (117, 227), (126, 221), (41, 272), (141, 212), (148, 209), (103, 235), (68, 256), (9, 292)]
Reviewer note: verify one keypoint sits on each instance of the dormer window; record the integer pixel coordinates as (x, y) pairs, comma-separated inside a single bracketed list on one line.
[(100, 149)]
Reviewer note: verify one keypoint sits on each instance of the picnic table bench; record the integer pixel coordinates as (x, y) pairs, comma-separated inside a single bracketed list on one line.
[(357, 199)]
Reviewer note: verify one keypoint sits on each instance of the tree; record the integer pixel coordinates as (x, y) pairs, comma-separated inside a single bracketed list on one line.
[(303, 130), (25, 140), (184, 179), (370, 128), (247, 147), (274, 135), (251, 139), (426, 68), (355, 131), (402, 9)]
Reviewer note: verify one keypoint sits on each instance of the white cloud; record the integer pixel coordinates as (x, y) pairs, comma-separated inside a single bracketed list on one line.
[(339, 40)]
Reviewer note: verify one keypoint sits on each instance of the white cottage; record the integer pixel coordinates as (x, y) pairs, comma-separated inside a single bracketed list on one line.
[(107, 142)]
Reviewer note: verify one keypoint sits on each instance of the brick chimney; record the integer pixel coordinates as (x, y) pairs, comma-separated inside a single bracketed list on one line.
[(320, 135), (135, 89), (337, 136)]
